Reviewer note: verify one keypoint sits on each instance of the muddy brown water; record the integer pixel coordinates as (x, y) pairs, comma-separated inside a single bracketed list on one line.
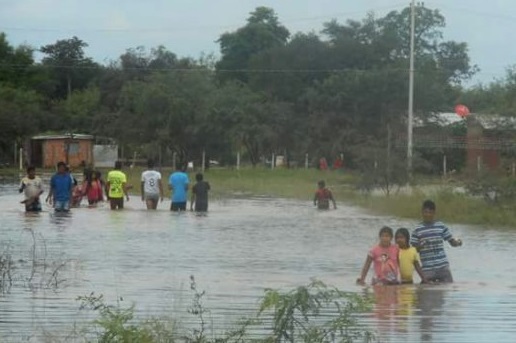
[(241, 247)]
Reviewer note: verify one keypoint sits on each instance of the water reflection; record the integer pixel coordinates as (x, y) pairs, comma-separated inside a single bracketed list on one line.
[(393, 306), (430, 304)]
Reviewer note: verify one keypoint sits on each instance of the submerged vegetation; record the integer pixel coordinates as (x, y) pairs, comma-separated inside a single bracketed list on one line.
[(314, 313), (35, 271)]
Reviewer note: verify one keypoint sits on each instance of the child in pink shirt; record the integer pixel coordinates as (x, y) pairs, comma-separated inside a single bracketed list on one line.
[(384, 258)]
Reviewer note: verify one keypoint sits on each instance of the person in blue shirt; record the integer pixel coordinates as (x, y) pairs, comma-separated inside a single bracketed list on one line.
[(61, 185), (178, 184)]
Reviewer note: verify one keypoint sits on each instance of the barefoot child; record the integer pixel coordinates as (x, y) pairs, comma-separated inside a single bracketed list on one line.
[(323, 196), (408, 257), (384, 258)]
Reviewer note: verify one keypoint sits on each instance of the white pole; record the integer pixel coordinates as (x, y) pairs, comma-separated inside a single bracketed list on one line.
[(444, 166), (174, 155), (306, 161), (203, 160), (272, 161), (21, 158), (238, 161), (411, 91)]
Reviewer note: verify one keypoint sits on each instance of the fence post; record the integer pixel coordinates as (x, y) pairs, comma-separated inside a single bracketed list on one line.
[(306, 161), (15, 152), (174, 156), (444, 166), (238, 161), (203, 160), (272, 162), (21, 158)]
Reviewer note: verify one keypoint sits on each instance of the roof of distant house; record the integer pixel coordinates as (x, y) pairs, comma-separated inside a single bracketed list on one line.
[(487, 121), (76, 136)]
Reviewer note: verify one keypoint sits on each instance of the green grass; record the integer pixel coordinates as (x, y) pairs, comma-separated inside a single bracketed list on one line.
[(452, 208), (288, 183)]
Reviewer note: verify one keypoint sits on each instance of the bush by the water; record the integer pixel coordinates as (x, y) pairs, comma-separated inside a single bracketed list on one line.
[(311, 313)]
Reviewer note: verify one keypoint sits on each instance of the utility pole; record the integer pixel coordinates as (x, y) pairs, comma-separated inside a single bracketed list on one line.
[(411, 92)]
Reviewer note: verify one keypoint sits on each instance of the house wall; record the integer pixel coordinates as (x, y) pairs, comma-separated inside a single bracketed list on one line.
[(54, 151), (489, 158)]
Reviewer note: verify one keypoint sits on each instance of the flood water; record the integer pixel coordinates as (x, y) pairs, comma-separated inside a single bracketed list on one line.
[(240, 248)]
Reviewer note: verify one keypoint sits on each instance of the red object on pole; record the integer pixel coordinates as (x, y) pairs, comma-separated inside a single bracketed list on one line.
[(462, 111)]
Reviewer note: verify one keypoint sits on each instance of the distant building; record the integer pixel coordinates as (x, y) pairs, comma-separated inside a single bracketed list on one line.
[(45, 151), (486, 136), (73, 149)]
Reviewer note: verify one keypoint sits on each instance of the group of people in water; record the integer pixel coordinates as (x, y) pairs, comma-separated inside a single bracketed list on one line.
[(393, 263), (65, 192), (422, 252)]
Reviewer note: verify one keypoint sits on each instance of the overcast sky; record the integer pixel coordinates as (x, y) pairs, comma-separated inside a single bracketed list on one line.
[(191, 27)]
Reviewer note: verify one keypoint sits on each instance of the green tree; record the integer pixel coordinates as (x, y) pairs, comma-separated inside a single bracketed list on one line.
[(17, 66), (299, 64), (241, 114), (164, 110), (262, 32), (71, 68), (20, 116), (77, 113)]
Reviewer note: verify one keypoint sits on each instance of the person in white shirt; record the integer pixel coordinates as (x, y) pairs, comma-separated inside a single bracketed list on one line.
[(32, 186), (152, 188)]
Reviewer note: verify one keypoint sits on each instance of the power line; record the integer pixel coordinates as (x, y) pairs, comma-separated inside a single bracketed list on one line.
[(477, 13), (248, 71), (198, 27)]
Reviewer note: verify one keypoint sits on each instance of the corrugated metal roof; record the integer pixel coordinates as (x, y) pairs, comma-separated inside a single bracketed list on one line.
[(64, 136)]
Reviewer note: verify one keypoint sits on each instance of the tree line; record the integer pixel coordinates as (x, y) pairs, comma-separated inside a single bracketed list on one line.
[(342, 90)]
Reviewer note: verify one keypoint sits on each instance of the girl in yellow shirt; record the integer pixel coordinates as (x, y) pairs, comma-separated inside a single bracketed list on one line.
[(408, 257)]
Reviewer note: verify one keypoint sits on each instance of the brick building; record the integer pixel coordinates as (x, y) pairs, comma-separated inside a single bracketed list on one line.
[(46, 151)]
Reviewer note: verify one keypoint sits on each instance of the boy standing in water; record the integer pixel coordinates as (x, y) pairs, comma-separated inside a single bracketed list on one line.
[(178, 184), (323, 196), (33, 188), (61, 186), (116, 187), (200, 194), (151, 186), (428, 238)]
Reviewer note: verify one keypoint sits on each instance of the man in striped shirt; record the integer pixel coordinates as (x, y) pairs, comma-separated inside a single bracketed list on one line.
[(428, 238)]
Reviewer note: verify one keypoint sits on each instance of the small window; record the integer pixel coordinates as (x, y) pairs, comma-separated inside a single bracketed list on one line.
[(73, 148)]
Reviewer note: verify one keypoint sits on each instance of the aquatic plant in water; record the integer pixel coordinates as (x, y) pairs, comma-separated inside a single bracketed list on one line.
[(312, 313)]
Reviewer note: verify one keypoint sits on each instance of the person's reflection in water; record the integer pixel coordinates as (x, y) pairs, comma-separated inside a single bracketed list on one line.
[(31, 219), (61, 220), (386, 299), (405, 306), (430, 302), (393, 307)]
